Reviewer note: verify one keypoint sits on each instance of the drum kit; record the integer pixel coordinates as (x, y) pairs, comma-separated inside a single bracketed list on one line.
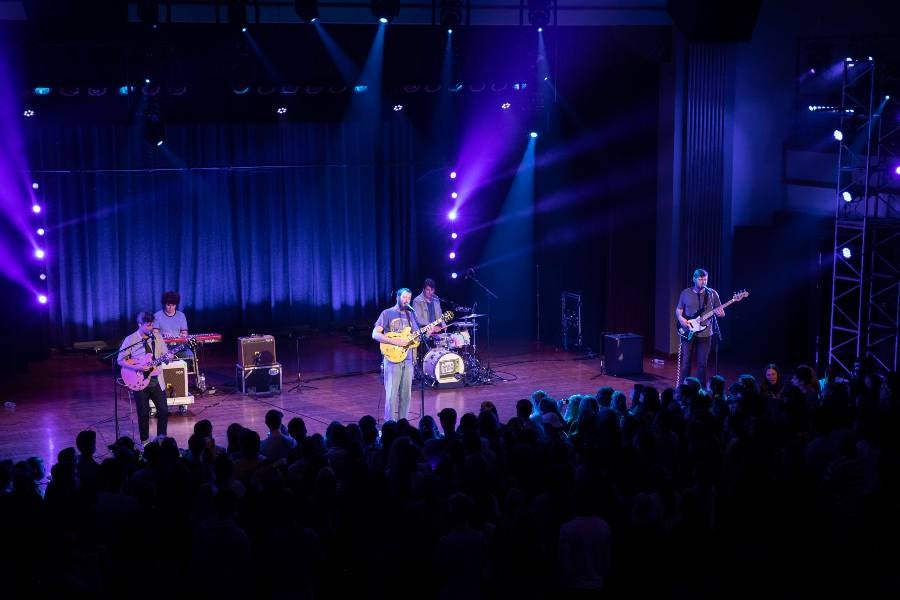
[(453, 355)]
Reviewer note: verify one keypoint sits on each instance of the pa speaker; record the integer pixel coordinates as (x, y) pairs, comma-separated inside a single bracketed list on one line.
[(623, 354)]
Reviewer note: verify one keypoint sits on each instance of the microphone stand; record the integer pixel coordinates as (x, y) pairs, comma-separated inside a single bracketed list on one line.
[(490, 294), (414, 319), (112, 364), (300, 385)]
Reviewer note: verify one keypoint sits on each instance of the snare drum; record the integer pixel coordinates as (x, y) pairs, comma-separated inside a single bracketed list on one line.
[(459, 339), (444, 366)]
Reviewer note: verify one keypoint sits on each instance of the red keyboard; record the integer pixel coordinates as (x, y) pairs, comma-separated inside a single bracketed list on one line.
[(203, 338)]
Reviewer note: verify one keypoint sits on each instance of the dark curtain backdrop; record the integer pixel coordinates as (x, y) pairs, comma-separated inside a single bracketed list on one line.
[(258, 226)]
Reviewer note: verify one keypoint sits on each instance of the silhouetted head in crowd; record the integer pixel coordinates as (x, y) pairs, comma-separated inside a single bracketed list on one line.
[(204, 427), (447, 417), (369, 428), (524, 408), (604, 396), (297, 428), (250, 442), (273, 419), (233, 435), (86, 442), (428, 428)]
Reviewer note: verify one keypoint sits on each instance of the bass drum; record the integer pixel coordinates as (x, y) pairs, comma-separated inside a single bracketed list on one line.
[(444, 366)]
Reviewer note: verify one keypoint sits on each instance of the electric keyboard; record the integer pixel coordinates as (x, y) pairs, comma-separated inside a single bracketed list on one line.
[(203, 338)]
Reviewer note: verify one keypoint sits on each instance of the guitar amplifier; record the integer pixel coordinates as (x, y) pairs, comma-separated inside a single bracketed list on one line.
[(256, 351), (623, 353), (175, 374)]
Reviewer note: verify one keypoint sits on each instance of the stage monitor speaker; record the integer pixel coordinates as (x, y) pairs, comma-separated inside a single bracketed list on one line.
[(623, 354), (256, 351)]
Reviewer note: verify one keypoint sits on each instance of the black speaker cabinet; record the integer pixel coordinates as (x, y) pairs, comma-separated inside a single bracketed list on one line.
[(256, 351), (623, 353)]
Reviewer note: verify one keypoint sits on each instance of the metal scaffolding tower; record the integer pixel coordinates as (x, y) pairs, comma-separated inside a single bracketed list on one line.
[(865, 299)]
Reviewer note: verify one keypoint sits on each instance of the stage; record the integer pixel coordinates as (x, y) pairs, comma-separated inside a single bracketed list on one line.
[(341, 381)]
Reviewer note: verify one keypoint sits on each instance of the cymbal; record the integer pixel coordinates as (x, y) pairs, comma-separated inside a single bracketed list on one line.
[(472, 316), (464, 325)]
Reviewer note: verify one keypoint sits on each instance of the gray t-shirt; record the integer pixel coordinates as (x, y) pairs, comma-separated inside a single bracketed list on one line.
[(392, 320), (691, 302), (170, 326)]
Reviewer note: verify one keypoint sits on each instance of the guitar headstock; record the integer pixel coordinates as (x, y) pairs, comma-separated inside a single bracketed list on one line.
[(738, 296)]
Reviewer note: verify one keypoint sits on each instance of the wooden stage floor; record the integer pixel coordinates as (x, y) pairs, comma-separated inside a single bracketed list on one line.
[(73, 391)]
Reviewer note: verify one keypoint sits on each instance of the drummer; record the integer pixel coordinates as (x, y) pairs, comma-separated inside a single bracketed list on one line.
[(427, 306)]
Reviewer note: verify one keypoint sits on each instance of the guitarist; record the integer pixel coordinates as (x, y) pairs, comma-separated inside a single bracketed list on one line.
[(152, 346), (397, 376), (693, 302)]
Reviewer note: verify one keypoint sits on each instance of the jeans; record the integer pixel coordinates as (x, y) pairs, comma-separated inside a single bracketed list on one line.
[(397, 389), (697, 348)]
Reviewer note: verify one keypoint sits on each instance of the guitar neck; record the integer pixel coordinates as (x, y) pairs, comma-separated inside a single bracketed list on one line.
[(706, 316)]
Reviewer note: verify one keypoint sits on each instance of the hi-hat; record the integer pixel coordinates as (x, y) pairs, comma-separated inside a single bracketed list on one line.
[(472, 316)]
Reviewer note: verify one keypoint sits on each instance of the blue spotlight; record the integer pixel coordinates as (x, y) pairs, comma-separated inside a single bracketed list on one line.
[(40, 231), (454, 195), (505, 105), (39, 253), (28, 112), (159, 143), (453, 236), (35, 186), (533, 134), (453, 275), (42, 91), (36, 209), (243, 30), (359, 89), (846, 252), (452, 255), (382, 20), (452, 174), (42, 276), (540, 30), (847, 197), (398, 107), (123, 90), (452, 215), (42, 298), (281, 110), (838, 135)]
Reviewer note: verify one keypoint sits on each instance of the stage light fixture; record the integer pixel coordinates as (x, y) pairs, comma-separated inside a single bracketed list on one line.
[(846, 252), (838, 135), (237, 14), (359, 89), (453, 236), (505, 105), (42, 298), (42, 91), (281, 110), (39, 253), (385, 10), (451, 14), (452, 215), (454, 195), (40, 231), (36, 209), (533, 134), (897, 170), (42, 276), (452, 174), (453, 275), (28, 113), (307, 10), (35, 185), (539, 13), (452, 255), (847, 197), (154, 128), (398, 107), (123, 90)]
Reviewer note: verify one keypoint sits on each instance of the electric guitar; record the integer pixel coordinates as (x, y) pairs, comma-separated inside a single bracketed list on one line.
[(138, 380), (397, 354), (699, 323)]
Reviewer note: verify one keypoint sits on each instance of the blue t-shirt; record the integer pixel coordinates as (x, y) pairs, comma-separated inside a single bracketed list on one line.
[(170, 326)]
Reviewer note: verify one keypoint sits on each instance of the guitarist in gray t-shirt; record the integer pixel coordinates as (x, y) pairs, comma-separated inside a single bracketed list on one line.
[(696, 335)]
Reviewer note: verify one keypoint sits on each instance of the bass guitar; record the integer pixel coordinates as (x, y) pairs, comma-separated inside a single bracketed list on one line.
[(700, 322), (138, 380), (397, 354)]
